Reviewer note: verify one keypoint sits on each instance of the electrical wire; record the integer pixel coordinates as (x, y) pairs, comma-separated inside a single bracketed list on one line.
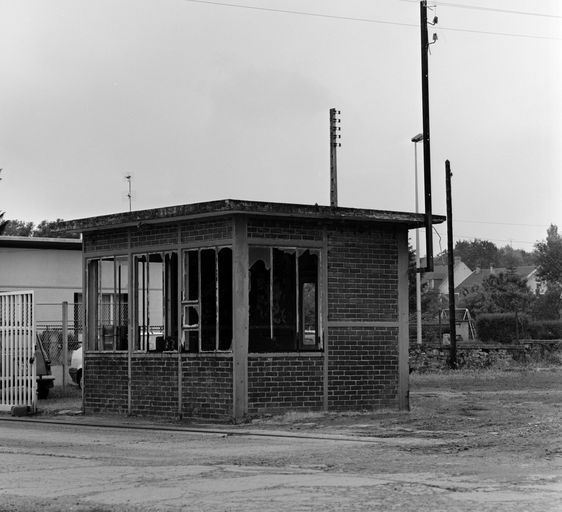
[(370, 20), (501, 223), (490, 9)]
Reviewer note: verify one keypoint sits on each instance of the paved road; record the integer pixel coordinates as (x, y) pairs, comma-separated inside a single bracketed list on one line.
[(83, 468)]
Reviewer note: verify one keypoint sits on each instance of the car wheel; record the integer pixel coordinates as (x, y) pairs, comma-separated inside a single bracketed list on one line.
[(79, 378), (42, 391)]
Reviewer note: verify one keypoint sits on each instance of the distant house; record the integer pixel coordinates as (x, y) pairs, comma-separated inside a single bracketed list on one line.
[(475, 280), (438, 280)]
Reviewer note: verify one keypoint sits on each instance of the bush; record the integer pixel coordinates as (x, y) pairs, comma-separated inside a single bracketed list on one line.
[(501, 327), (545, 330)]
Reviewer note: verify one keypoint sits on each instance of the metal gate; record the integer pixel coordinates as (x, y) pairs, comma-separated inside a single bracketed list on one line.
[(17, 350)]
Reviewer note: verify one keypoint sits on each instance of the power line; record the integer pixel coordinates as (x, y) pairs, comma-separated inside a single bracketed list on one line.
[(502, 223), (369, 20), (303, 13), (491, 9)]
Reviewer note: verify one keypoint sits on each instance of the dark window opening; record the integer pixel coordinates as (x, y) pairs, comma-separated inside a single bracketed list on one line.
[(284, 300), (207, 300)]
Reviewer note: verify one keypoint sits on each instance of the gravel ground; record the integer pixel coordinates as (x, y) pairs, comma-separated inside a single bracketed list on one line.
[(486, 441)]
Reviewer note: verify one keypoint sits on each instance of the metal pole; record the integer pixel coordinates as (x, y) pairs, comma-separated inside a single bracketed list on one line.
[(418, 276), (451, 261), (426, 139), (64, 342)]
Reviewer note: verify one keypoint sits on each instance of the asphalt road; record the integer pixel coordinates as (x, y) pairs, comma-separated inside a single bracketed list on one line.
[(57, 467)]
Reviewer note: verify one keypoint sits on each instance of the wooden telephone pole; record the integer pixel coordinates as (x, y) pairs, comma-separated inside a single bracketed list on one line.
[(451, 268), (334, 144), (426, 139)]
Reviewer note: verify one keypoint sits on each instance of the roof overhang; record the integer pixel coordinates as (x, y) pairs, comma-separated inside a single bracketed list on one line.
[(31, 242), (229, 207)]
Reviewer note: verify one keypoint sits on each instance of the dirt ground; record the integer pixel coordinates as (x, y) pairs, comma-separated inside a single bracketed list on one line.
[(486, 441)]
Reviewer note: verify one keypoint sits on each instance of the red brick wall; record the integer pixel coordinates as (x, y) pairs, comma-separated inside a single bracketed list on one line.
[(154, 385), (284, 229), (110, 240), (206, 230), (148, 235), (362, 290), (284, 382), (105, 383), (151, 235), (362, 275), (363, 368), (207, 386)]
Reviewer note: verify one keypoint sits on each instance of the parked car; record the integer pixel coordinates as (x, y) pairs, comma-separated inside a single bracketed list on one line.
[(45, 380), (75, 368)]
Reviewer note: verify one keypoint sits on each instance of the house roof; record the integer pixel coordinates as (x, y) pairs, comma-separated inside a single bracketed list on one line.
[(31, 242), (254, 208), (477, 277)]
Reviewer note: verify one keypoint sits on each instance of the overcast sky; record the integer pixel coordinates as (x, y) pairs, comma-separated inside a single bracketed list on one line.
[(201, 102)]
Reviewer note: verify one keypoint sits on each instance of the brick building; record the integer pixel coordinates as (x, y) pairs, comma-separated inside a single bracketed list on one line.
[(230, 309)]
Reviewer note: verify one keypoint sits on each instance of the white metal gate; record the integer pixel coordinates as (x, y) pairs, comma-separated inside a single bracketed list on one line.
[(17, 350)]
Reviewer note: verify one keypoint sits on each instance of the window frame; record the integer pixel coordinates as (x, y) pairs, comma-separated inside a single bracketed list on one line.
[(300, 330), (196, 305)]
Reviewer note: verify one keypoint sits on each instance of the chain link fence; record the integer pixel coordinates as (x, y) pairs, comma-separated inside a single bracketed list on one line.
[(60, 327)]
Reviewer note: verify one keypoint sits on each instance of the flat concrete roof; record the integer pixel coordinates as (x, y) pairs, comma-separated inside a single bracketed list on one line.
[(32, 242), (252, 208)]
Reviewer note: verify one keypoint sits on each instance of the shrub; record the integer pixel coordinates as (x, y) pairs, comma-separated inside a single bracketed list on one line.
[(501, 327), (545, 330)]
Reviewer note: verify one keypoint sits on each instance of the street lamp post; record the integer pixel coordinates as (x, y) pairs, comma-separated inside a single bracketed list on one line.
[(415, 140)]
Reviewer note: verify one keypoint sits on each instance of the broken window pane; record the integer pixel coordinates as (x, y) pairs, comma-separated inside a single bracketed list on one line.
[(260, 305), (208, 300), (284, 299), (308, 298), (191, 276), (225, 298), (284, 311)]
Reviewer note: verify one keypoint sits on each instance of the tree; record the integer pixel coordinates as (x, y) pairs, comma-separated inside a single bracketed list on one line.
[(46, 228), (549, 257), (18, 228), (53, 229), (477, 253), (502, 293), (3, 223)]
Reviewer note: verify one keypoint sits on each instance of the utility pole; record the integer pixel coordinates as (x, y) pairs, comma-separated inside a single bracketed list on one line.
[(426, 139), (334, 144), (451, 268)]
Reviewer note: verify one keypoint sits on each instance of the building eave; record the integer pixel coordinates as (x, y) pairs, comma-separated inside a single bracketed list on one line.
[(252, 208)]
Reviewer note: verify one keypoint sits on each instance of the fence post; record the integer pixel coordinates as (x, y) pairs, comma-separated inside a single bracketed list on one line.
[(64, 342)]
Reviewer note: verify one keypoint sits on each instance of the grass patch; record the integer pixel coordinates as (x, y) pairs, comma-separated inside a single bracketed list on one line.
[(71, 391), (487, 379)]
